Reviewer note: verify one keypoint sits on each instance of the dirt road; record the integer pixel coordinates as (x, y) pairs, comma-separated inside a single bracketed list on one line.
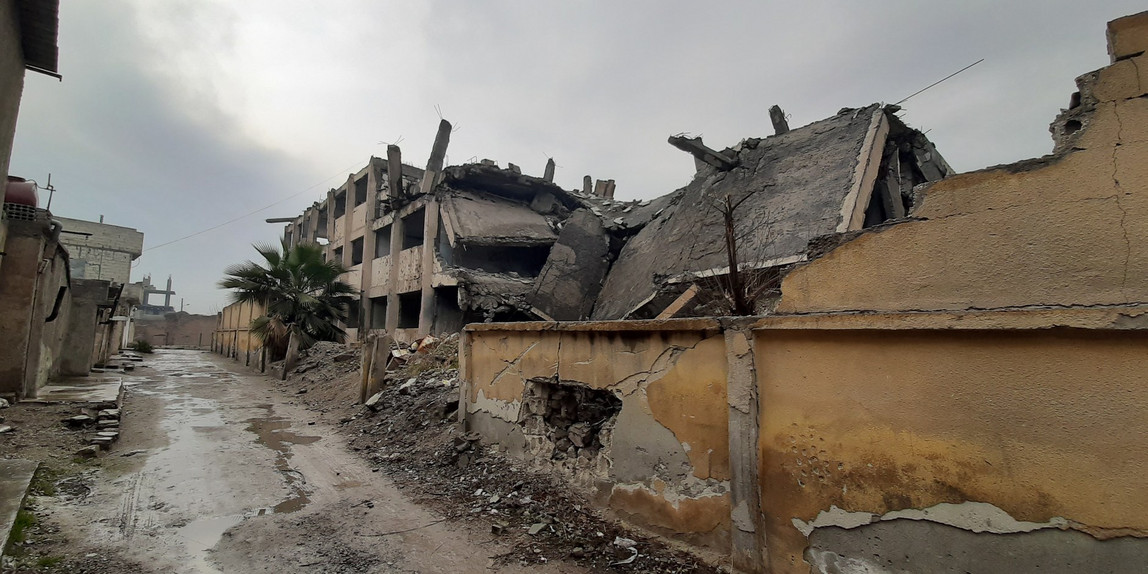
[(231, 475)]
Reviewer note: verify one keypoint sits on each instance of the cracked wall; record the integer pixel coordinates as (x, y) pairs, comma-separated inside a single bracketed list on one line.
[(1069, 229), (990, 432), (664, 457)]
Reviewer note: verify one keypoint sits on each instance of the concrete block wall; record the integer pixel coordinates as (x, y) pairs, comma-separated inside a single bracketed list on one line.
[(106, 254)]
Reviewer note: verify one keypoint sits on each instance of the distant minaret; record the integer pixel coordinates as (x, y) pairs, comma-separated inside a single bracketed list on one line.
[(167, 295)]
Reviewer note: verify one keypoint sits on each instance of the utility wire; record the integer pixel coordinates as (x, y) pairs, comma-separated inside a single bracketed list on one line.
[(250, 213), (939, 81)]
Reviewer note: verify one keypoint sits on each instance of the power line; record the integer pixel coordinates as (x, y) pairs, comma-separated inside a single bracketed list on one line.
[(250, 213), (939, 81)]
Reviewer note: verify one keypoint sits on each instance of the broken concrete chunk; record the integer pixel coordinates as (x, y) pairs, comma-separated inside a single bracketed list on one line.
[(536, 528), (79, 420), (567, 286), (4, 429), (373, 402), (578, 434), (407, 388), (88, 452)]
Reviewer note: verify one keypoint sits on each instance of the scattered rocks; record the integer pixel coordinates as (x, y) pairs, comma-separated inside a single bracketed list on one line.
[(88, 452), (79, 421)]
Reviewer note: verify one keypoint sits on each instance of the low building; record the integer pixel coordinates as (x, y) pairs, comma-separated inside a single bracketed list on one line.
[(99, 250)]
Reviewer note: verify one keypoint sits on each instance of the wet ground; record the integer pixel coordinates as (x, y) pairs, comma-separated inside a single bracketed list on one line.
[(217, 471)]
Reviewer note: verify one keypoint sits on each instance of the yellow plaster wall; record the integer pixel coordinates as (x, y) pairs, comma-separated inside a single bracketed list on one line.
[(232, 335), (1041, 424), (674, 379)]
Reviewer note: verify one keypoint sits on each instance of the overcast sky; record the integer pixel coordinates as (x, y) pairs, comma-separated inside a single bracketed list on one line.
[(175, 116)]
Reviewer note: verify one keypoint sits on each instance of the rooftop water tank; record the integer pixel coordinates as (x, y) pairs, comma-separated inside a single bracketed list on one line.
[(21, 192)]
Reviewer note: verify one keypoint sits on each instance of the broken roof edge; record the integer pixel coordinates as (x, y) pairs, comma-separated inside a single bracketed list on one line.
[(39, 36)]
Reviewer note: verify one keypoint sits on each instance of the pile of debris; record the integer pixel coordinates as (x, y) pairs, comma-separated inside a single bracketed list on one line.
[(410, 432)]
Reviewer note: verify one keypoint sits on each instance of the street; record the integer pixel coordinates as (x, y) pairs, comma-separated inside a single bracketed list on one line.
[(218, 471)]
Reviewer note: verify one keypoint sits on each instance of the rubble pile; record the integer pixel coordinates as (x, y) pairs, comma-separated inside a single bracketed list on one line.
[(410, 432), (329, 371)]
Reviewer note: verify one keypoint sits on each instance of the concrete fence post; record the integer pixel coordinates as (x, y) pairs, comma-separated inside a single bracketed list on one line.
[(747, 535)]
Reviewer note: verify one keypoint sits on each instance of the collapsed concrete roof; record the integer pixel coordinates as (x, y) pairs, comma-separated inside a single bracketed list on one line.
[(477, 219), (840, 174)]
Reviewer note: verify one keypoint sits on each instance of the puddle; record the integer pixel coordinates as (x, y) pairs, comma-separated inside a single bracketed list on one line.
[(200, 535), (271, 432)]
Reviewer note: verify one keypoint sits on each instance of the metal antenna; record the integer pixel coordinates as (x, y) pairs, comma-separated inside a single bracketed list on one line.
[(51, 192)]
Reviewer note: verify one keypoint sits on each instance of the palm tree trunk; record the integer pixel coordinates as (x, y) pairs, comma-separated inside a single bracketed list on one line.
[(292, 354)]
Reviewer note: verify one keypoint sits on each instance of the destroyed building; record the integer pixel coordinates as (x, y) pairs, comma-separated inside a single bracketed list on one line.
[(431, 250), (506, 246)]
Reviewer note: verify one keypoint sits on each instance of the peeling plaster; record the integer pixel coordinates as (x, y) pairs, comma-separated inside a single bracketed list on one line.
[(972, 516), (505, 410)]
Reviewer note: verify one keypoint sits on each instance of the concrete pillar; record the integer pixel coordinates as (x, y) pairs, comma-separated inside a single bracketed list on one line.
[(549, 174), (395, 181), (600, 188), (313, 224), (349, 202), (747, 534), (430, 229), (608, 193), (374, 167), (587, 185), (777, 116), (330, 223)]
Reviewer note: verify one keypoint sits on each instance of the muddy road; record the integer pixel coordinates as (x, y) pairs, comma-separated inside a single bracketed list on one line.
[(218, 471)]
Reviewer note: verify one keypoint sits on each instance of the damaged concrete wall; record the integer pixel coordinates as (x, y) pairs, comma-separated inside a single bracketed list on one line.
[(1069, 229), (35, 303), (969, 384), (652, 447), (1024, 441)]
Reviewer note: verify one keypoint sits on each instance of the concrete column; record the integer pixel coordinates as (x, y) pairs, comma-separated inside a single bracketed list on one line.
[(330, 223), (373, 169), (548, 175), (313, 224), (395, 181), (587, 185), (430, 247), (430, 229), (747, 534), (349, 202)]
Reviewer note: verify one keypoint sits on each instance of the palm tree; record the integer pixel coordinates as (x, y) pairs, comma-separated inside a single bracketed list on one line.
[(302, 297)]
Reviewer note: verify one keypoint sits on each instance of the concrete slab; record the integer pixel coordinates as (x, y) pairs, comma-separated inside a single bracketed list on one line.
[(15, 476), (102, 389)]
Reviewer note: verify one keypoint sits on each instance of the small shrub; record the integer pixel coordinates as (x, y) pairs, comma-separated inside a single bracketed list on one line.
[(49, 561), (142, 346), (24, 520)]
